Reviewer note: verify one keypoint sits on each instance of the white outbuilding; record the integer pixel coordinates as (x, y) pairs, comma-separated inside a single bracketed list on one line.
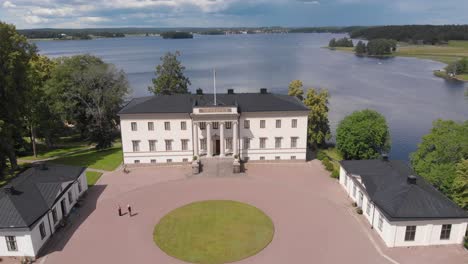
[(33, 205), (401, 206)]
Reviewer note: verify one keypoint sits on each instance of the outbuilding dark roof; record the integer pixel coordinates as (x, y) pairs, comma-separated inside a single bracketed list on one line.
[(33, 192), (386, 182), (184, 103)]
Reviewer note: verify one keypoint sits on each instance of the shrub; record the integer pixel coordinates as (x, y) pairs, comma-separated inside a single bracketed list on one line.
[(335, 174), (328, 165), (466, 242), (359, 210), (195, 157), (321, 155)]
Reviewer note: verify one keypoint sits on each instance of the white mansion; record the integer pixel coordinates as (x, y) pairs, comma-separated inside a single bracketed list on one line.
[(174, 128)]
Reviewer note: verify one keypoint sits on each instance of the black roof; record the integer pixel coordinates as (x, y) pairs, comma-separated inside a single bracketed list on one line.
[(32, 193), (184, 103), (386, 183)]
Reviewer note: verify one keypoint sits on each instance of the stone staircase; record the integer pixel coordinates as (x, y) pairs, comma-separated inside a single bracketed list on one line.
[(217, 167)]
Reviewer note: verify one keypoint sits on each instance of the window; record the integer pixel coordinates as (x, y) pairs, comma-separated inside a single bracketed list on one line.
[(183, 125), (70, 197), (229, 143), (263, 143), (445, 232), (202, 125), (79, 186), (203, 144), (136, 161), (152, 145), (42, 230), (262, 123), (54, 215), (278, 142), (277, 158), (294, 142), (167, 126), (293, 157), (136, 145), (184, 144), (294, 123), (246, 123), (169, 160), (354, 190), (11, 243), (346, 180), (185, 160), (168, 145), (134, 126), (228, 125), (153, 161), (380, 224), (368, 207), (278, 123), (150, 126), (215, 125), (410, 233), (246, 143), (262, 158)]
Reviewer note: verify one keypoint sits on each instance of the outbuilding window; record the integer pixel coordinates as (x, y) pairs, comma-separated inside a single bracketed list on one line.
[(380, 224), (262, 123), (368, 207), (70, 197), (42, 230), (445, 232), (410, 233), (54, 215), (11, 243)]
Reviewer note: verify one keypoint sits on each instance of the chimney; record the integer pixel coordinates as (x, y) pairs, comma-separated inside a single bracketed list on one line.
[(263, 91), (230, 91), (199, 91), (384, 157), (411, 179)]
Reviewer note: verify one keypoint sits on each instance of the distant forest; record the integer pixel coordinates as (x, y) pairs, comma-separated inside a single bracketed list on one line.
[(418, 34)]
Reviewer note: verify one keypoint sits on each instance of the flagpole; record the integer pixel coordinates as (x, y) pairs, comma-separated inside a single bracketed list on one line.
[(214, 84)]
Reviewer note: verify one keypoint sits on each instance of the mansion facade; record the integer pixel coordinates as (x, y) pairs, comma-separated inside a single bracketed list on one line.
[(175, 128)]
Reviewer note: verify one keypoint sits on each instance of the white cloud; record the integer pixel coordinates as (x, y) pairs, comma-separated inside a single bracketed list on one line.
[(35, 19), (65, 11), (93, 19), (8, 4)]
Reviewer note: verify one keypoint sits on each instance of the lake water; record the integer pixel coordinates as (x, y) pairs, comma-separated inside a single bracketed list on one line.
[(404, 90)]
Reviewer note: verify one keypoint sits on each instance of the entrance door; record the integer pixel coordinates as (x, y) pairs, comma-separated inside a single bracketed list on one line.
[(360, 199), (63, 207), (217, 146)]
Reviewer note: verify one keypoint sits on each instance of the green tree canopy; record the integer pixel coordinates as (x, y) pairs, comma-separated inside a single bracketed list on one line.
[(439, 152), (363, 135), (170, 78), (89, 93), (360, 48), (295, 89), (378, 47), (15, 54), (318, 128), (460, 185)]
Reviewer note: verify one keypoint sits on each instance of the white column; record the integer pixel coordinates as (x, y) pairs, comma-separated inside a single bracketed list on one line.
[(195, 139), (209, 148), (235, 140), (221, 139)]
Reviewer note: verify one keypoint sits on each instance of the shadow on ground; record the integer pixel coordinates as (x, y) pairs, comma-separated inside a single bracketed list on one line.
[(59, 239)]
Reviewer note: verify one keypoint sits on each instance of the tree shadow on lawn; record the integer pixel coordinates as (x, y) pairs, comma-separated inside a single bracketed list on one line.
[(107, 159), (61, 237)]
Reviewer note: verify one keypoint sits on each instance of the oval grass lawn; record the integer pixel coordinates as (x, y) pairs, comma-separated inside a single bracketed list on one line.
[(212, 232)]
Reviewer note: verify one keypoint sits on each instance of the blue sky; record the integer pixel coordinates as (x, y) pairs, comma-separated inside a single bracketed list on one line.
[(229, 13)]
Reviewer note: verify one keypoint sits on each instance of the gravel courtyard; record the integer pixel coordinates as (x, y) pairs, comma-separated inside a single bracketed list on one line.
[(311, 213)]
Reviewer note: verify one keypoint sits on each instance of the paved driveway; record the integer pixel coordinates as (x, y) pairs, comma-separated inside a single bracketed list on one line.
[(313, 223)]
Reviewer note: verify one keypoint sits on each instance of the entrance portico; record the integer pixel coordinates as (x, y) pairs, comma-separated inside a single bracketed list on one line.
[(215, 130)]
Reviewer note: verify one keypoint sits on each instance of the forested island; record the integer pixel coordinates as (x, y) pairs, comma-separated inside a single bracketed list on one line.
[(176, 35)]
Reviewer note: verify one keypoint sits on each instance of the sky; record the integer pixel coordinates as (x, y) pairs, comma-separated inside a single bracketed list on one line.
[(229, 13)]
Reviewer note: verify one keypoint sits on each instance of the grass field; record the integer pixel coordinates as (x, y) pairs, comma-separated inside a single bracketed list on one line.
[(92, 177), (214, 232), (451, 52), (65, 145), (334, 155), (108, 159)]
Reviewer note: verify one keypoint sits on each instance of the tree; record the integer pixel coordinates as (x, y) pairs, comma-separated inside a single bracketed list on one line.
[(89, 93), (295, 89), (170, 78), (460, 185), (439, 152), (363, 135), (15, 54), (332, 43), (378, 47), (318, 128), (360, 48)]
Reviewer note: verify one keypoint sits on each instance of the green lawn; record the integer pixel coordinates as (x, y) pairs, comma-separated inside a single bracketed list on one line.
[(451, 52), (92, 177), (56, 152), (334, 155), (108, 159), (214, 232)]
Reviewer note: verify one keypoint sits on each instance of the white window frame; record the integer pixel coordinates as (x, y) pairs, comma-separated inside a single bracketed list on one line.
[(167, 126), (168, 143), (42, 230), (294, 142), (136, 145), (380, 223), (246, 124), (262, 123), (152, 145), (11, 243), (246, 143), (202, 125), (278, 123), (203, 144), (229, 143), (278, 142), (228, 125), (263, 142), (183, 125), (134, 126), (294, 123), (184, 143), (150, 126)]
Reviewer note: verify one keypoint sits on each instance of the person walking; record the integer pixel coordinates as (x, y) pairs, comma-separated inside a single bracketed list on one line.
[(129, 208)]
